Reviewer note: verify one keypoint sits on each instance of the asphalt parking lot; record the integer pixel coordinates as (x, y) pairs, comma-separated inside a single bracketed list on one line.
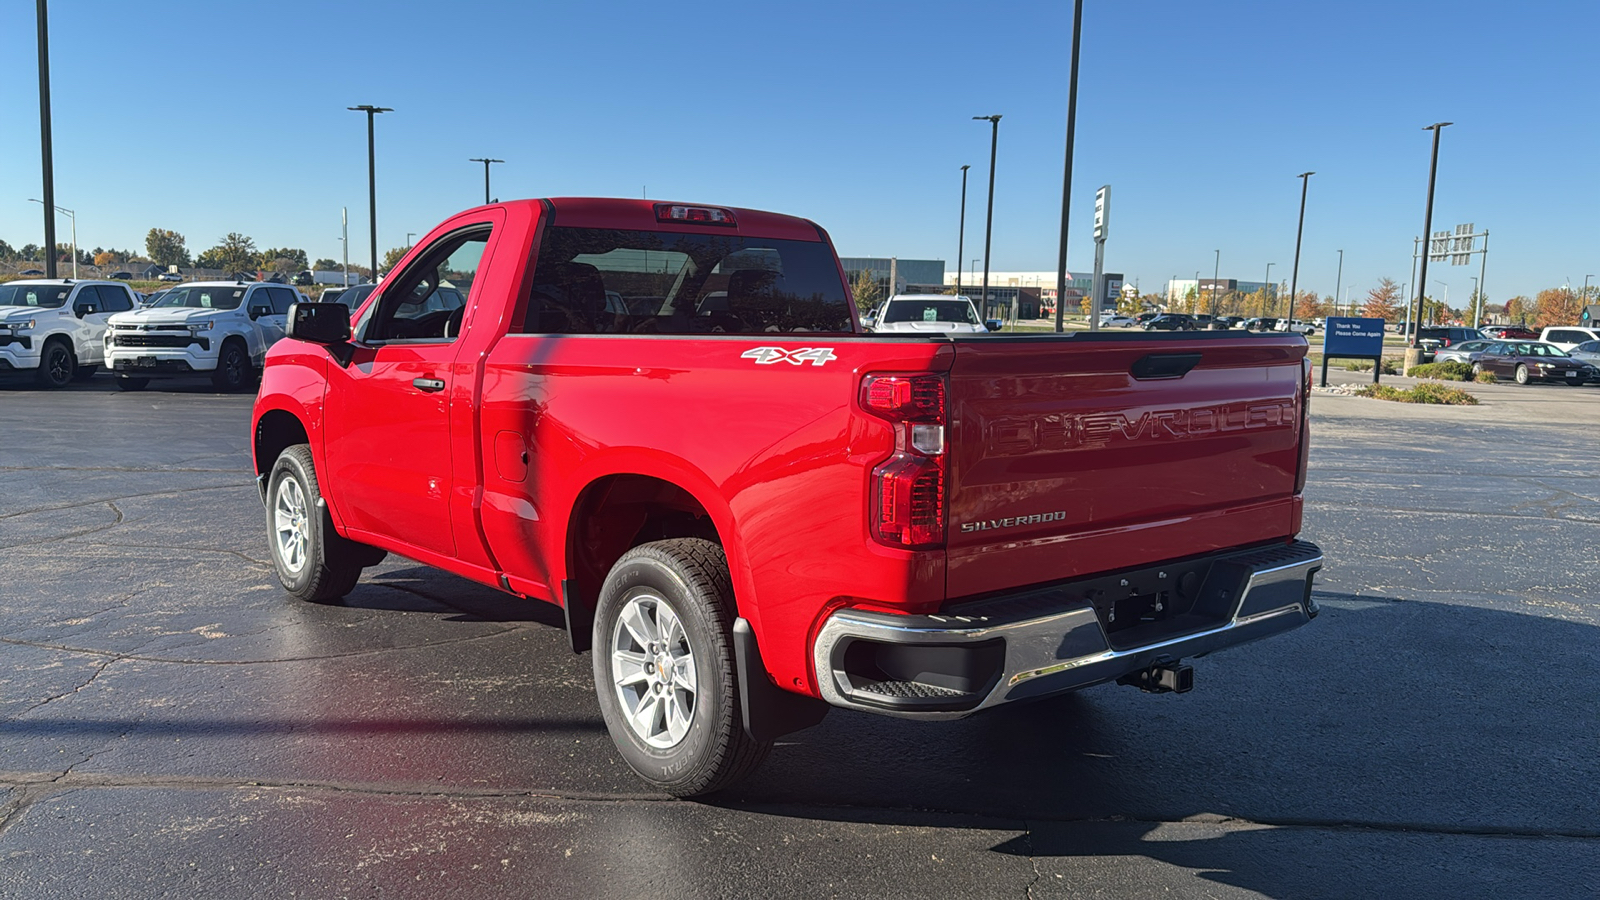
[(171, 725)]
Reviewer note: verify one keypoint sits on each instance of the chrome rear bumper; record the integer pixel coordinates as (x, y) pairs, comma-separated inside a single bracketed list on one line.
[(1060, 638)]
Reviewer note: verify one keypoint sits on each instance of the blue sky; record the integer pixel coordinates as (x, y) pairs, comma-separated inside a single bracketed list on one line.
[(209, 117)]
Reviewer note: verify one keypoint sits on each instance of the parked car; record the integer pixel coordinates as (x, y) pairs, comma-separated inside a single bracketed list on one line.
[(1509, 333), (1144, 317), (1568, 336), (746, 528), (31, 273), (216, 328), (1115, 321), (1297, 327), (1529, 361), (1202, 321), (1464, 352), (927, 313), (1430, 338), (1588, 351), (1224, 323), (352, 296), (150, 298), (303, 279), (1261, 324), (1171, 322), (55, 330), (169, 276), (122, 276)]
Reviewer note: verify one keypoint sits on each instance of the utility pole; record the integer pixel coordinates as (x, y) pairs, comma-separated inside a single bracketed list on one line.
[(1066, 178), (344, 239), (372, 176), (961, 240), (1294, 277), (1427, 229), (1338, 279), (44, 145), (988, 227)]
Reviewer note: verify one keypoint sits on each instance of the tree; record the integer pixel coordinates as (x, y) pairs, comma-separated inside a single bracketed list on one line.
[(234, 253), (107, 258), (1517, 310), (1307, 306), (1383, 301), (866, 290), (7, 252), (295, 260), (393, 257), (1556, 306), (166, 248), (29, 252), (324, 264)]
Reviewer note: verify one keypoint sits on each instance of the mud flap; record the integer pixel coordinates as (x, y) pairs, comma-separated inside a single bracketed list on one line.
[(769, 711)]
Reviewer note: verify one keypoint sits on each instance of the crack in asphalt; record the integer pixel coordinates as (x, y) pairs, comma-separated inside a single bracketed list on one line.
[(140, 496), (1027, 840), (51, 699), (1367, 507)]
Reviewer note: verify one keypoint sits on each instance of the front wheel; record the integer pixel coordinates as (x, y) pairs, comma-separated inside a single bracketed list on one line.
[(310, 558), (1477, 369), (132, 383), (57, 365), (233, 368), (664, 668), (1522, 374)]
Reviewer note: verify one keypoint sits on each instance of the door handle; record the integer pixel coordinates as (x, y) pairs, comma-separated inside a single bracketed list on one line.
[(428, 384)]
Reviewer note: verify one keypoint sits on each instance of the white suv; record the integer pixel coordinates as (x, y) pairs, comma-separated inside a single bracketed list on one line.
[(943, 313), (219, 327), (1568, 336), (56, 328)]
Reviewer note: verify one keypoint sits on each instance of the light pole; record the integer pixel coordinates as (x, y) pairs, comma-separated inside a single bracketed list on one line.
[(486, 161), (988, 227), (372, 176), (74, 217), (45, 153), (344, 240), (1216, 272), (409, 236), (1066, 178), (971, 269), (1266, 285), (1585, 290), (1446, 297), (1427, 225), (1294, 277), (1474, 299), (961, 239), (1195, 307), (1338, 279)]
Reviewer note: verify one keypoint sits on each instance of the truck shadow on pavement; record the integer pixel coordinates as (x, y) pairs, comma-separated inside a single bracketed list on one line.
[(1294, 769)]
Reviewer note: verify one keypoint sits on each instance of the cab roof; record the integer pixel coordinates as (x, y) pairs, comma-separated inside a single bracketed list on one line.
[(640, 215)]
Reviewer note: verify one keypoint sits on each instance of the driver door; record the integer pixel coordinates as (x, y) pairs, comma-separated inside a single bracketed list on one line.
[(388, 447)]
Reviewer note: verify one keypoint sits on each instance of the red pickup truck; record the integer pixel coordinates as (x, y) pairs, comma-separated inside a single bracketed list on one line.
[(667, 419)]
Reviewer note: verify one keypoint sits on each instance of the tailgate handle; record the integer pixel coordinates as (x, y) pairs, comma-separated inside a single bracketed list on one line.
[(1165, 365)]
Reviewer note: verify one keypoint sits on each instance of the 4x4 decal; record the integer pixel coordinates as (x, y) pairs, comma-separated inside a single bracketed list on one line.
[(766, 356)]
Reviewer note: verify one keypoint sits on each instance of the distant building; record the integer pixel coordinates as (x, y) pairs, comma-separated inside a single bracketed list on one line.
[(1205, 288), (892, 274), (1031, 295)]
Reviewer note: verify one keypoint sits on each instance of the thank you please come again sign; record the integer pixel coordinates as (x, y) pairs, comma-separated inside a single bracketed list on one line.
[(1353, 337)]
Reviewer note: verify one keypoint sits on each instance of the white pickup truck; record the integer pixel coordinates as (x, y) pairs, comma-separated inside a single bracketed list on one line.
[(56, 328), (218, 327), (927, 314)]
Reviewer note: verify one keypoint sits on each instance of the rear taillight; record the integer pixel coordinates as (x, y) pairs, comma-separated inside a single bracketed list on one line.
[(908, 487), (1305, 427)]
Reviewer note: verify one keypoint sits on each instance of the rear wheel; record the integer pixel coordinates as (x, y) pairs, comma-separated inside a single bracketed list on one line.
[(1522, 374), (664, 668), (56, 364), (313, 562)]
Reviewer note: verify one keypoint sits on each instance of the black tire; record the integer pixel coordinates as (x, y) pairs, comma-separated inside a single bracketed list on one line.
[(57, 364), (1522, 376), (1477, 369), (132, 383), (233, 371), (84, 373), (327, 566), (690, 576)]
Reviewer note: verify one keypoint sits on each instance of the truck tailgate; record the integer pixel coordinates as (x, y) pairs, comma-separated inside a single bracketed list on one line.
[(1074, 456)]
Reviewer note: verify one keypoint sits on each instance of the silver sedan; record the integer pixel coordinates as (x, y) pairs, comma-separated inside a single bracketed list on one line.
[(1588, 351), (1464, 352)]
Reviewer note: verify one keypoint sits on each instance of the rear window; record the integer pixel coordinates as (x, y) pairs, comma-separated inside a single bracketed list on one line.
[(612, 281)]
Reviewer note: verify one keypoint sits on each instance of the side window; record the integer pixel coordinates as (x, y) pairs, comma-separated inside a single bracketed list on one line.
[(281, 298), (88, 298), (116, 298), (427, 300), (259, 302)]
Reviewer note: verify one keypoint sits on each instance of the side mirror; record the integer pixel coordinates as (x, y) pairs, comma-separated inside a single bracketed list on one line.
[(257, 312), (993, 324), (84, 309), (319, 323)]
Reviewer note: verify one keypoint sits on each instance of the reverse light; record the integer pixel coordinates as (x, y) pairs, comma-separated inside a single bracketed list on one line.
[(699, 215), (908, 488)]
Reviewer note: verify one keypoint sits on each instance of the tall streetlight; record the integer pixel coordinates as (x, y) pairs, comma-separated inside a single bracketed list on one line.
[(1216, 273), (1474, 298), (1338, 279), (486, 161), (1196, 307), (971, 269), (1266, 283), (1066, 178), (372, 176), (988, 227), (1427, 228), (74, 217), (45, 152), (1446, 300), (1294, 277), (961, 240)]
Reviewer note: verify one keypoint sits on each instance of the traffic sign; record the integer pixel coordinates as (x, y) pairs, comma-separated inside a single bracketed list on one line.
[(1102, 212)]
